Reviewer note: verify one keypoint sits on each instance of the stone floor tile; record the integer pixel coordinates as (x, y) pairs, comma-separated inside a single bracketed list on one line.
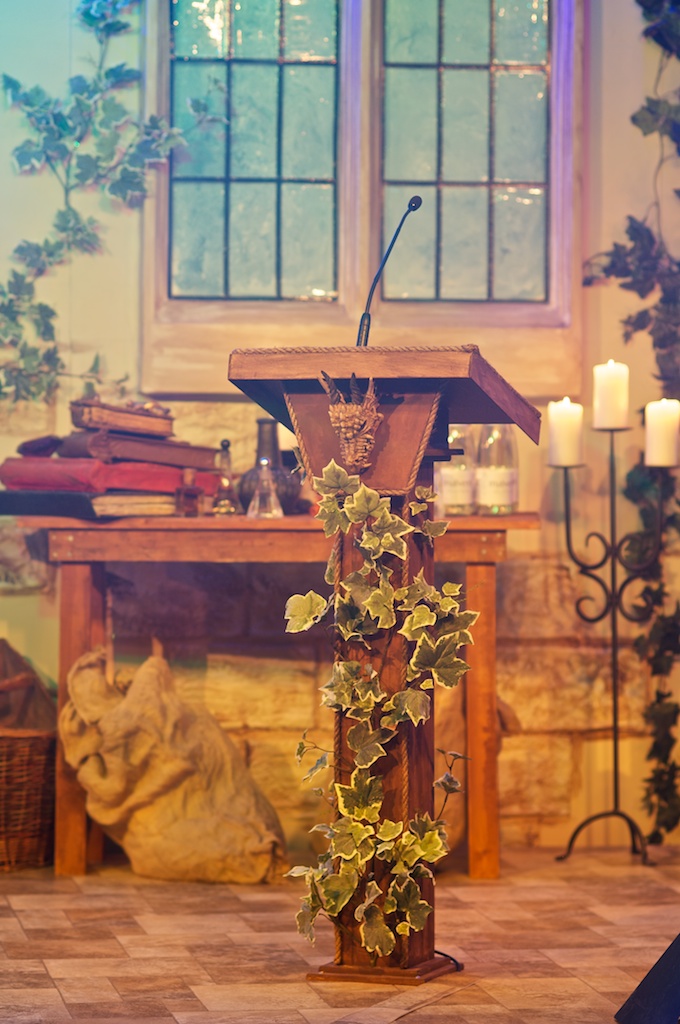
[(284, 995), (568, 993), (86, 990)]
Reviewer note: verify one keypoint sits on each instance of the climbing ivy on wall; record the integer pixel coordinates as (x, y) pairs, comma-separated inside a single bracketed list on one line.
[(645, 265)]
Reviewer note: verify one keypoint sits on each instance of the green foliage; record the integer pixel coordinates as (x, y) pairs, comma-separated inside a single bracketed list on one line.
[(87, 140), (373, 865), (645, 266)]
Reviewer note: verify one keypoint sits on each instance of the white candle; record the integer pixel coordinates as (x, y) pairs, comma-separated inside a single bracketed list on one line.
[(565, 433), (610, 396), (662, 430)]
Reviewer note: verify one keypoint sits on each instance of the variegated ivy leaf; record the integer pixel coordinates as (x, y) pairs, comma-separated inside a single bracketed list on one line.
[(335, 480), (337, 890), (448, 783), (380, 605), (447, 606), (453, 754), (390, 529), (363, 798), (358, 588), (427, 684), (452, 589), (365, 503), (351, 623), (373, 890), (425, 494), (406, 704), (352, 841), (376, 936), (406, 894), (305, 918), (434, 527), (418, 592), (390, 829), (318, 766), (431, 835), (367, 743), (420, 618), (439, 659), (332, 515), (417, 506), (304, 610), (464, 620), (338, 691)]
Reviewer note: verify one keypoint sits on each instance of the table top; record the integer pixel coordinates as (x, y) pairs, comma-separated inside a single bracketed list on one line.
[(237, 539)]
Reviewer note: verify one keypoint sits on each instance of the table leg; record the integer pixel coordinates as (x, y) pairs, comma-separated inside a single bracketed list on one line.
[(81, 628), (482, 727)]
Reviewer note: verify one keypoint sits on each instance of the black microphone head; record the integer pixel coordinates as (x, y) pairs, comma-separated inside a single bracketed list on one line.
[(414, 203)]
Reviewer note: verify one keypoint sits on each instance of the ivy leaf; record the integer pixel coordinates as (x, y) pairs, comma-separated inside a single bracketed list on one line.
[(404, 705), (385, 535), (431, 836), (358, 588), (28, 157), (305, 918), (376, 936), (333, 516), (112, 113), (350, 620), (364, 503), (121, 75), (408, 902), (435, 527), (448, 783), (367, 743), (373, 891), (380, 605), (417, 506), (318, 766), (418, 592), (420, 618), (439, 659), (362, 799), (87, 168), (425, 494), (335, 480), (303, 611), (390, 829), (106, 146), (12, 87), (351, 841), (337, 890), (129, 186)]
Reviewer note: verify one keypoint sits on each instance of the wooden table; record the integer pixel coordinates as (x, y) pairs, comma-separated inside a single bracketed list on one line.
[(82, 548)]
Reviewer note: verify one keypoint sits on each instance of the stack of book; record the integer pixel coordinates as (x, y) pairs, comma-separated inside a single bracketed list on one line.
[(122, 461)]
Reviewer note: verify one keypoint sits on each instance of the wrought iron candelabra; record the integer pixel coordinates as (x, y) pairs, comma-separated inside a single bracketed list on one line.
[(613, 600)]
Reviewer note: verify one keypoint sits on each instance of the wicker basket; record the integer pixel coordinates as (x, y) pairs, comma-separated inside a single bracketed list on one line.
[(27, 760)]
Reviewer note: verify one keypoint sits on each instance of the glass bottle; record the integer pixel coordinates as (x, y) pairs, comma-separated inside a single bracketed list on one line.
[(287, 483), (497, 475), (226, 502), (456, 479), (265, 503), (188, 496)]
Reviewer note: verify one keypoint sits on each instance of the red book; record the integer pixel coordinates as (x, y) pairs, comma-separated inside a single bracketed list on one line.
[(90, 476)]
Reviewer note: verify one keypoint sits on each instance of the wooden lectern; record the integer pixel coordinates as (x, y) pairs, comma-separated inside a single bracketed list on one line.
[(419, 391)]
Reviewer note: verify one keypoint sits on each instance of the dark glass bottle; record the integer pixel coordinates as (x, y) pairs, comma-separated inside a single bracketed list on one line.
[(226, 501), (287, 484), (188, 497)]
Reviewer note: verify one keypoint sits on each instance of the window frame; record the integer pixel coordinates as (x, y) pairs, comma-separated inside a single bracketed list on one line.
[(185, 343)]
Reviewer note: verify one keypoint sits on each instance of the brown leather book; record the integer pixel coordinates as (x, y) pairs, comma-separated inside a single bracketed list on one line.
[(134, 418), (109, 446)]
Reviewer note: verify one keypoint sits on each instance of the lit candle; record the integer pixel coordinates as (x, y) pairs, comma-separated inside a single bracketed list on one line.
[(565, 427), (610, 396), (662, 429)]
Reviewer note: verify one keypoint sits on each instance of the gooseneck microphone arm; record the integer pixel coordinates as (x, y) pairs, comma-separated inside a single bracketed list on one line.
[(414, 203)]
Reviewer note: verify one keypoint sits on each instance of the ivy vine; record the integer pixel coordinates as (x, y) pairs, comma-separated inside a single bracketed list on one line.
[(88, 140), (645, 266), (373, 865)]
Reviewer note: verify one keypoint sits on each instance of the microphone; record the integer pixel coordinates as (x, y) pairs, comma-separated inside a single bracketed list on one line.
[(414, 203)]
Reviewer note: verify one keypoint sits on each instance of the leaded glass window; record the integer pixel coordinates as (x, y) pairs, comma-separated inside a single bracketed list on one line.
[(466, 121), (253, 196)]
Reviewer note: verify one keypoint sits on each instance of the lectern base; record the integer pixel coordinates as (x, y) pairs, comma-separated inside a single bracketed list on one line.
[(428, 970)]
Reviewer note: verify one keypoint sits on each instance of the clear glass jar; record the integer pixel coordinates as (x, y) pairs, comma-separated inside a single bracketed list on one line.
[(497, 474), (265, 503)]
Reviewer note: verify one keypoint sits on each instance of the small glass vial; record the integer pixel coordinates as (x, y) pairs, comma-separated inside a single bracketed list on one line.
[(497, 475), (188, 497), (265, 503), (456, 479), (226, 502)]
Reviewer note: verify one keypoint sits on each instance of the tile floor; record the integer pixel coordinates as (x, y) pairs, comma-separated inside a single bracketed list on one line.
[(547, 943)]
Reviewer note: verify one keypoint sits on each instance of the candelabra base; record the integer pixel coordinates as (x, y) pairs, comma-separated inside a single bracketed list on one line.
[(638, 843)]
